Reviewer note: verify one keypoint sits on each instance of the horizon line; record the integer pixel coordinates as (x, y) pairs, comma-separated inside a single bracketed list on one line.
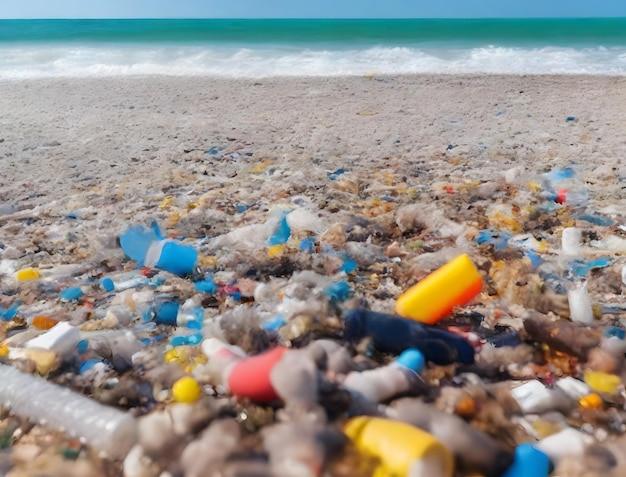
[(603, 17)]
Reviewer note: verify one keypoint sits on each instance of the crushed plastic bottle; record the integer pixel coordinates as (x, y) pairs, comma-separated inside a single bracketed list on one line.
[(148, 247)]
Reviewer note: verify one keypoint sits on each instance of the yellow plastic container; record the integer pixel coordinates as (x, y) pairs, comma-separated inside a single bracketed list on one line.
[(400, 447), (434, 298), (603, 383), (28, 274)]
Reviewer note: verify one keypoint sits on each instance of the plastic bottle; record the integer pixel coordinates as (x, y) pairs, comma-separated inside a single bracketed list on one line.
[(401, 448), (124, 281), (222, 358), (434, 297), (105, 428), (383, 383), (250, 378), (245, 377), (147, 246), (475, 451)]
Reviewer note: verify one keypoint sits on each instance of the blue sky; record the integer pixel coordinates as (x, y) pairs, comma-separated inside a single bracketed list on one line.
[(309, 8)]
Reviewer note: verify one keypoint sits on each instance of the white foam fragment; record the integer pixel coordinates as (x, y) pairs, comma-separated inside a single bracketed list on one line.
[(61, 338)]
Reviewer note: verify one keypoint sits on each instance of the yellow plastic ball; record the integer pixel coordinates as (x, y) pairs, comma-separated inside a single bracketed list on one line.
[(186, 389)]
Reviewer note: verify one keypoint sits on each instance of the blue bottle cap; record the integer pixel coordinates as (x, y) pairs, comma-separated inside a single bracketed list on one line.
[(71, 294), (107, 284), (529, 462), (412, 359), (167, 313)]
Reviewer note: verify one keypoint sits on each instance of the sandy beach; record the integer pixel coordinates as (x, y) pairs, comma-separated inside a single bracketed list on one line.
[(121, 145), (400, 172)]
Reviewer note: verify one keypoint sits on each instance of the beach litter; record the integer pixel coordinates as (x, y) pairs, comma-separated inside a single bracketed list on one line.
[(312, 339)]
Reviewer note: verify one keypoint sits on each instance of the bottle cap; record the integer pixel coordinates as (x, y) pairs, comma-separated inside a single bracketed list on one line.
[(529, 462), (412, 359)]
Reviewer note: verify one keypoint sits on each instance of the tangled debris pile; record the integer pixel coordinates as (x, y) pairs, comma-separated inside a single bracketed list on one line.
[(368, 327)]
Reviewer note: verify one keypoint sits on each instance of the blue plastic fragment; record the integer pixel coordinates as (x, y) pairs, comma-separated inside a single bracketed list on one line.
[(498, 239), (339, 291), (71, 294), (156, 281), (191, 318), (177, 258), (570, 118), (107, 284), (9, 313), (136, 241), (206, 286), (334, 175), (529, 462), (614, 331), (596, 220), (194, 324), (393, 334), (535, 259), (187, 340), (241, 208), (89, 365), (412, 359), (582, 267), (173, 256), (559, 174), (281, 234), (83, 346), (274, 323), (166, 313), (307, 245), (348, 265)]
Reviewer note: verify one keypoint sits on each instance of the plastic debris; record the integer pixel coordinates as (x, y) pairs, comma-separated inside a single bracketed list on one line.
[(401, 448), (103, 427), (434, 297), (382, 383), (257, 334), (27, 274), (147, 246), (529, 461), (71, 294), (394, 334), (186, 389)]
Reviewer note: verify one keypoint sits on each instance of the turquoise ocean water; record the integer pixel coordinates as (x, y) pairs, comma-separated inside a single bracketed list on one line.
[(261, 48)]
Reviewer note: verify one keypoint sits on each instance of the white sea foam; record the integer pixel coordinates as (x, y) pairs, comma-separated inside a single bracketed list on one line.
[(83, 61)]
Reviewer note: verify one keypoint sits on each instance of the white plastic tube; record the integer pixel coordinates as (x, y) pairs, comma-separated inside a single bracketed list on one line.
[(108, 429)]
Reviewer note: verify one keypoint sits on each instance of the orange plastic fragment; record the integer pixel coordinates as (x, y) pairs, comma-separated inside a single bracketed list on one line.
[(42, 322)]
